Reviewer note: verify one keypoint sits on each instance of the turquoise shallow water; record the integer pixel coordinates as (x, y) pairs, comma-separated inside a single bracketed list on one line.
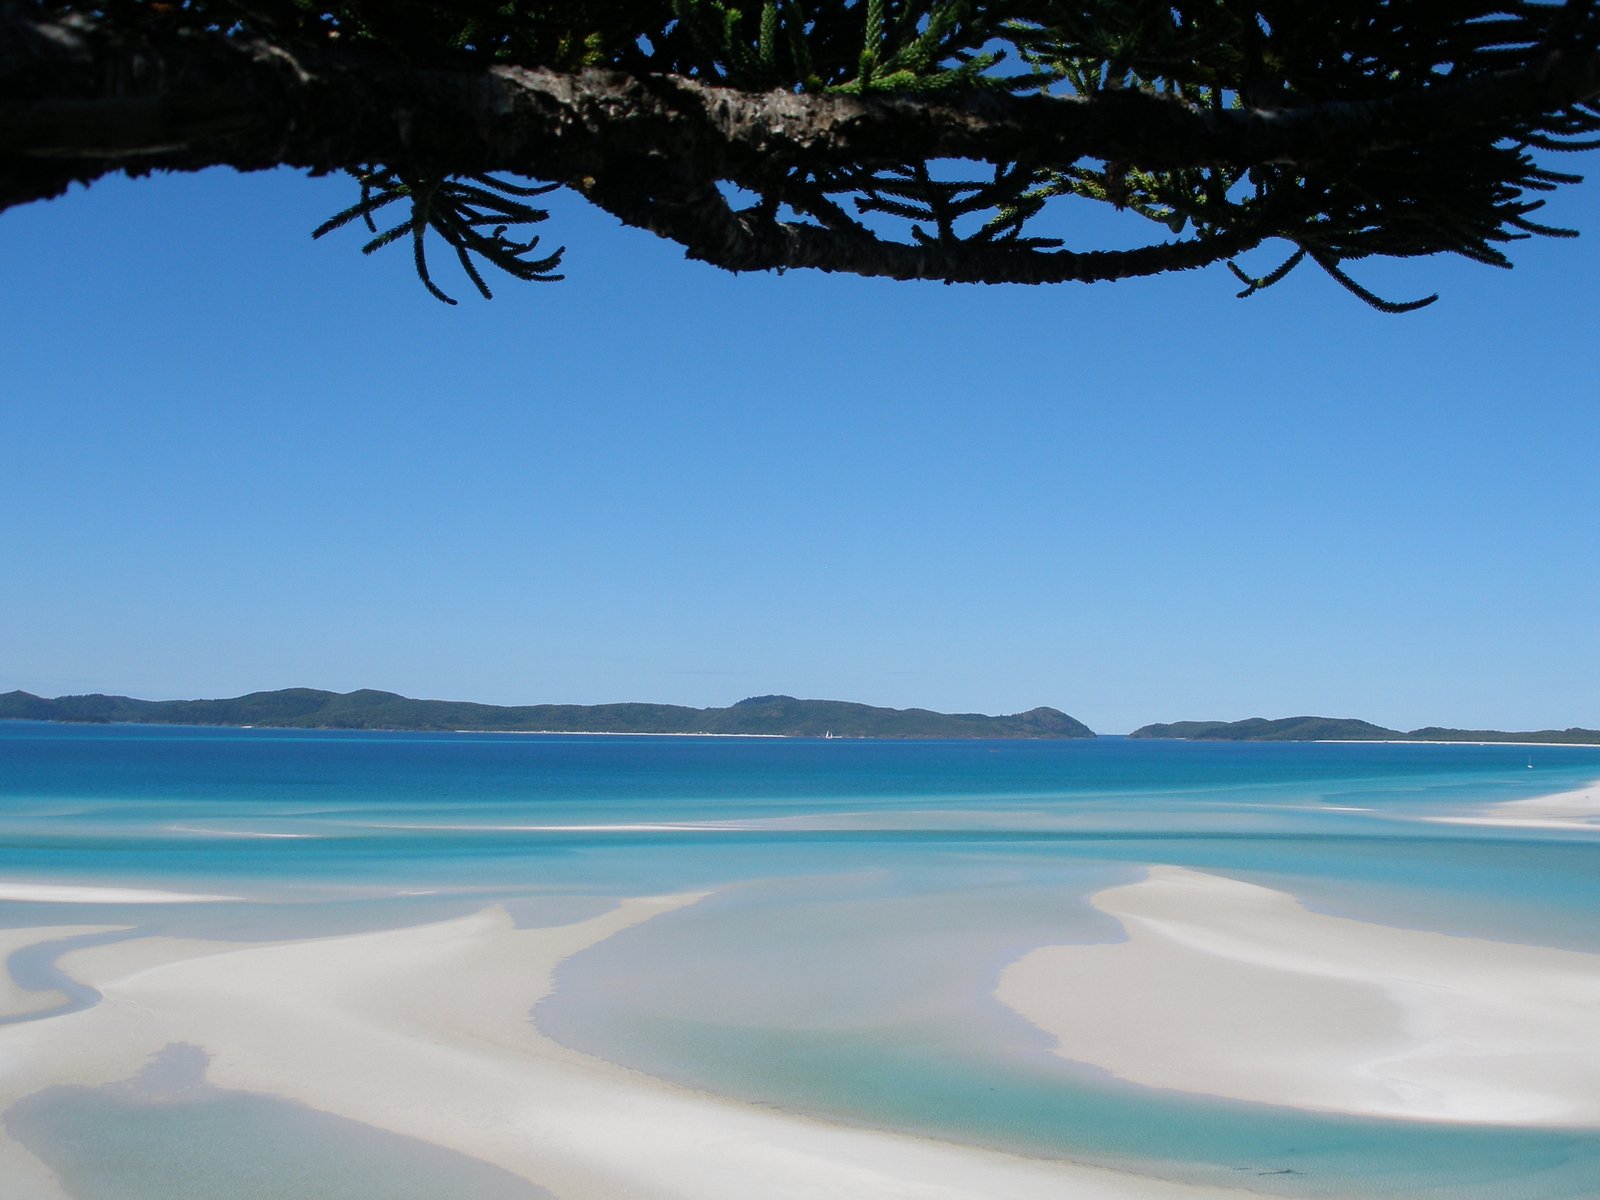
[(867, 895), (166, 1133)]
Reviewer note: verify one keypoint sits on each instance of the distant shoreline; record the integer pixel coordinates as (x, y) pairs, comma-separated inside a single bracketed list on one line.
[(768, 716), (815, 737), (622, 733), (1352, 730), (1420, 742), (756, 716)]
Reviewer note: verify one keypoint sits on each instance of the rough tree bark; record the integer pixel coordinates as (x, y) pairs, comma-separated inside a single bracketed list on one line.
[(81, 98)]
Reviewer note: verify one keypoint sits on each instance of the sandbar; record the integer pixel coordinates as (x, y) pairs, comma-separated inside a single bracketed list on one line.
[(16, 1000), (198, 831), (72, 893), (1230, 989), (425, 1032), (1577, 809), (635, 827)]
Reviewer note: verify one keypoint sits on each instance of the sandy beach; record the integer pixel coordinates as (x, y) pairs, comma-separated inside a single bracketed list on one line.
[(71, 893), (1230, 989), (1577, 809), (424, 1032), (17, 1001)]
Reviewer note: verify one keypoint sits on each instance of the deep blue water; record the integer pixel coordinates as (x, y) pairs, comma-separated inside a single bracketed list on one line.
[(867, 894)]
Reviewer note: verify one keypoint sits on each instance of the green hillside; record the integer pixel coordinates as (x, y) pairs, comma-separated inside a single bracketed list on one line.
[(1337, 729), (1259, 729), (309, 708), (1573, 736)]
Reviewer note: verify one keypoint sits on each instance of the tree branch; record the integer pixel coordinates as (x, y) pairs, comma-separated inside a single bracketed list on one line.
[(715, 233), (81, 91), (81, 97)]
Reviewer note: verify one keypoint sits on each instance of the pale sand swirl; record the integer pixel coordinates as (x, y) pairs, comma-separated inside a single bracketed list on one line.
[(424, 1032), (1577, 809), (1230, 989), (72, 893), (16, 1000)]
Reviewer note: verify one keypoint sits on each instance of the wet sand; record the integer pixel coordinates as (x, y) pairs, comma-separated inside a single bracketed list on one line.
[(1228, 989), (1577, 809), (425, 1032)]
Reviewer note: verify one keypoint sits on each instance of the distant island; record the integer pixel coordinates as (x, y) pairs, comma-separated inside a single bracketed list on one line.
[(770, 716), (309, 708), (1337, 729)]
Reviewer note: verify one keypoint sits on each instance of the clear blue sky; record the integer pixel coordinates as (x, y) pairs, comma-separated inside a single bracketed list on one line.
[(236, 459)]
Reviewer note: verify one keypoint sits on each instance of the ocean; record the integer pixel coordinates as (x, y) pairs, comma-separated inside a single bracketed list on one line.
[(863, 898)]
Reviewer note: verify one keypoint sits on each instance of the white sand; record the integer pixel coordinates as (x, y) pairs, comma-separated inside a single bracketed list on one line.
[(63, 893), (424, 1032), (1577, 809), (661, 827), (1230, 989), (15, 1000), (198, 831)]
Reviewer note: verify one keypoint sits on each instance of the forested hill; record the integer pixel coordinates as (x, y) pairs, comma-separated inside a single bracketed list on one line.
[(1336, 729), (1259, 729), (308, 708)]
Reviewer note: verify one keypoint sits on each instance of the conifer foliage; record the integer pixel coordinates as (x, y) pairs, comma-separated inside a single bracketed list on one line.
[(961, 140)]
